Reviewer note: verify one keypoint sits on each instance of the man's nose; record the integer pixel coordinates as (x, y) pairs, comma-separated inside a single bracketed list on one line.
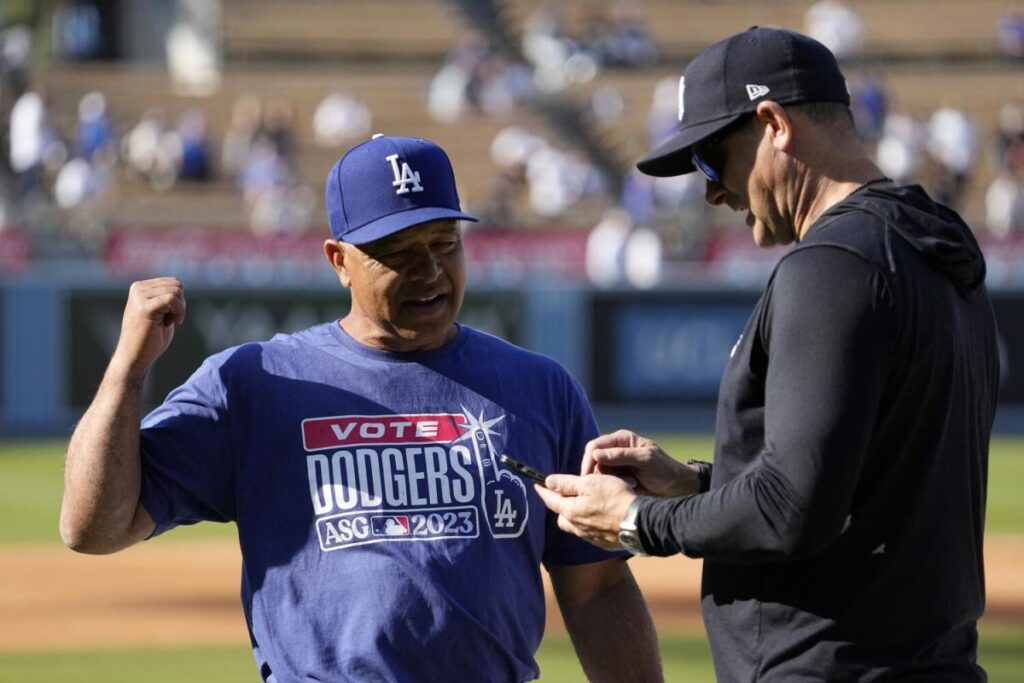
[(714, 194), (425, 265)]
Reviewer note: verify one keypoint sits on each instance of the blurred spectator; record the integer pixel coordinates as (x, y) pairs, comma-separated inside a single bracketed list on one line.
[(476, 78), (606, 244), (545, 36), (195, 146), (869, 104), (1004, 198), (953, 143), (340, 119), (606, 105), (193, 48), (93, 132), (554, 180), (1010, 33), (15, 57), (76, 183), (637, 199), (513, 146), (140, 146), (448, 96), (675, 205), (898, 153), (31, 137), (501, 208), (511, 149), (152, 152), (1004, 204), (621, 38), (558, 60), (264, 170), (837, 25), (557, 180), (75, 29), (498, 86), (278, 128), (618, 252), (642, 258), (288, 208), (28, 132), (168, 161), (1010, 134), (246, 115), (275, 201)]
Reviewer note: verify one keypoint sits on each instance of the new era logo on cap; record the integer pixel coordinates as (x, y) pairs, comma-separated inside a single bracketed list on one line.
[(388, 184), (755, 91)]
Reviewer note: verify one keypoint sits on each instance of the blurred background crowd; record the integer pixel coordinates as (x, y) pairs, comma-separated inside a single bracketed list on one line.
[(120, 116)]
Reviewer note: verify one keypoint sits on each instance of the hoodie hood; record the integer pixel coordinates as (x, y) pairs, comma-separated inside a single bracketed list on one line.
[(935, 231)]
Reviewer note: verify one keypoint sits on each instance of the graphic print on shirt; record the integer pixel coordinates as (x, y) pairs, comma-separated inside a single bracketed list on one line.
[(414, 477)]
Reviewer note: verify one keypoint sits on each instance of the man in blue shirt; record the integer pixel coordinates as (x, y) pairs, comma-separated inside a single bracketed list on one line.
[(381, 539)]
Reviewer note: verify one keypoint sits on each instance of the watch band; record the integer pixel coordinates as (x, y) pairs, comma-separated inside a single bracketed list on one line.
[(703, 474), (629, 533)]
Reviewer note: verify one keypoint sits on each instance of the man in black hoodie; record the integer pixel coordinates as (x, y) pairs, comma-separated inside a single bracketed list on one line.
[(841, 524)]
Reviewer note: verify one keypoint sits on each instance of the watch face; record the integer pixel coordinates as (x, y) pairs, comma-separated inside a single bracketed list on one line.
[(630, 540)]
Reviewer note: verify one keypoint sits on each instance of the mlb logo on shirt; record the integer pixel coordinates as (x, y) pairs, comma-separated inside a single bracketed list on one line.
[(395, 525)]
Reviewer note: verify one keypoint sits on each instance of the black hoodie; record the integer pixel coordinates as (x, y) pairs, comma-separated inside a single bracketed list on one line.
[(842, 532)]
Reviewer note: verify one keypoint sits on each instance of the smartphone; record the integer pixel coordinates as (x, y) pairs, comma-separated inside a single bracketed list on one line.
[(522, 468)]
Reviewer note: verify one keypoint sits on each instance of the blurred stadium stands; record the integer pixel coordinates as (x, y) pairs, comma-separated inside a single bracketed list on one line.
[(928, 53)]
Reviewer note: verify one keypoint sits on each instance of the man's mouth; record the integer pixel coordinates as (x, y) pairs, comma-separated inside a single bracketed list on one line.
[(426, 303)]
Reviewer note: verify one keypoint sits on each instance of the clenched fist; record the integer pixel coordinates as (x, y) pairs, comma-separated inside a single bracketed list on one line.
[(154, 308)]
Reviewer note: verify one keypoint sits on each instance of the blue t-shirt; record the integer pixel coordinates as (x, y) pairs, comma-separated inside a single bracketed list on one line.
[(381, 539)]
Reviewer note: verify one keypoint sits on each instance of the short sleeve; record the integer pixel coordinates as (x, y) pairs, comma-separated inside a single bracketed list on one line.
[(561, 548), (187, 458)]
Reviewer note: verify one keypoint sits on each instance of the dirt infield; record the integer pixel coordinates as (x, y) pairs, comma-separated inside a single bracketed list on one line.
[(186, 593)]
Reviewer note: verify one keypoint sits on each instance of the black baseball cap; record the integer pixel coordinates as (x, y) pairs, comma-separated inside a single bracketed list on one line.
[(727, 81)]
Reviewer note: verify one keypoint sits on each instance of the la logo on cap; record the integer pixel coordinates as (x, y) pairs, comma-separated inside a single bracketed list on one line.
[(755, 91), (404, 176)]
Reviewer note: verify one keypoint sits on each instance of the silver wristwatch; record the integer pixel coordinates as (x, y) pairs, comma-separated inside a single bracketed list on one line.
[(629, 537)]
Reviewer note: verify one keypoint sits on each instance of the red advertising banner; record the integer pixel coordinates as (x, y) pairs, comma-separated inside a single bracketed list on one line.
[(503, 254), (15, 251)]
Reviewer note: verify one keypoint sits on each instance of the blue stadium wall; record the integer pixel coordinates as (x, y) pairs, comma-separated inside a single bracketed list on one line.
[(649, 360)]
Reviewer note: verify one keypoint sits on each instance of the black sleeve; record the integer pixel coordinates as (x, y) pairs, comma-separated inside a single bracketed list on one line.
[(828, 330)]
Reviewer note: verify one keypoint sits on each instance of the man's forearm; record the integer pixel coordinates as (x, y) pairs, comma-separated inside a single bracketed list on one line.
[(102, 473), (612, 631)]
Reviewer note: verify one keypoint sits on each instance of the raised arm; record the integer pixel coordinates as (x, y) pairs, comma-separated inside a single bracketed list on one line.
[(608, 621), (100, 512)]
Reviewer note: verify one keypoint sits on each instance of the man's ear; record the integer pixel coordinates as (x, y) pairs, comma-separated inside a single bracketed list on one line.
[(777, 124), (335, 253)]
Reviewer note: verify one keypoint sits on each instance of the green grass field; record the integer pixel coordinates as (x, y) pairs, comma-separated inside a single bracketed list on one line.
[(30, 486), (31, 476), (685, 658)]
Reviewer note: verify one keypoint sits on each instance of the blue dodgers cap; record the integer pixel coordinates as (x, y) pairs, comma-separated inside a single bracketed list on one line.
[(729, 79), (388, 184)]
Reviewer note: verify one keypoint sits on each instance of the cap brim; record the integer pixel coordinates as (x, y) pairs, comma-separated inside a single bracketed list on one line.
[(675, 156), (396, 222)]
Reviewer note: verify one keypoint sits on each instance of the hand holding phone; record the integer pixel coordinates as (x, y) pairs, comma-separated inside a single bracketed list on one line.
[(522, 469)]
